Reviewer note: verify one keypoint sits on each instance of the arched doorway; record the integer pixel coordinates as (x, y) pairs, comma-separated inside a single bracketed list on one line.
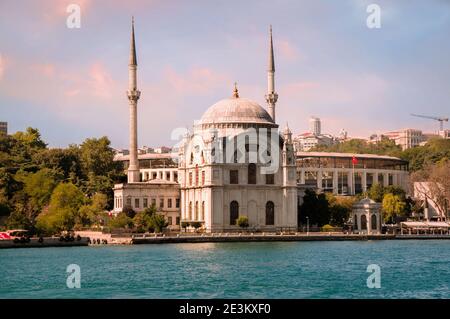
[(234, 212), (373, 222), (363, 222), (270, 213)]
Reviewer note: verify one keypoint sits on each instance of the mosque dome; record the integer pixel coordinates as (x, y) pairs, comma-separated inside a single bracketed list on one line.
[(236, 110)]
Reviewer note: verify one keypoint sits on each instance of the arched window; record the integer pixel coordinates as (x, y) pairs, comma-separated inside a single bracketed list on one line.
[(374, 222), (363, 222), (234, 212), (196, 175), (191, 161), (252, 173), (196, 211), (203, 211), (190, 211), (270, 213)]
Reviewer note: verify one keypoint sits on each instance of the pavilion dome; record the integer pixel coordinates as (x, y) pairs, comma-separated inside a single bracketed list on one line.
[(236, 110)]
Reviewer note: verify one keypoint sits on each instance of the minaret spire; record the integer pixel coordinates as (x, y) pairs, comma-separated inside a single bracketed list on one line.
[(133, 60), (133, 96), (271, 96), (271, 58)]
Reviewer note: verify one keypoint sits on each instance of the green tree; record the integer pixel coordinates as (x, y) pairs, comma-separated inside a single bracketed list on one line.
[(376, 192), (120, 221), (143, 221), (393, 206), (242, 222), (158, 222), (63, 210), (39, 186), (66, 161), (91, 213)]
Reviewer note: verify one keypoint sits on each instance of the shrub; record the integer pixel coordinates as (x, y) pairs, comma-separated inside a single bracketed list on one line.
[(242, 221), (327, 228)]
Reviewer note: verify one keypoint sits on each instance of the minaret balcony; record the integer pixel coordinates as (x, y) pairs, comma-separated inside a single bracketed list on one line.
[(133, 95)]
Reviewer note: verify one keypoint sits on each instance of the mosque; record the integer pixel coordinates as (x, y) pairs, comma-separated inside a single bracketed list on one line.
[(235, 162)]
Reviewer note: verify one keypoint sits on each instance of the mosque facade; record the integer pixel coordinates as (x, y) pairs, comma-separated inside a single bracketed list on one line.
[(235, 162)]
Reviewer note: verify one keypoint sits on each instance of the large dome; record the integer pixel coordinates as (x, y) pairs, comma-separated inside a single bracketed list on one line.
[(236, 110)]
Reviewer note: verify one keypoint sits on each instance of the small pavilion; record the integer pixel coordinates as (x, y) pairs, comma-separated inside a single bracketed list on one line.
[(366, 217)]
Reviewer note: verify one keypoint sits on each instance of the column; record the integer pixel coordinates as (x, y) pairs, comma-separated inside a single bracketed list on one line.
[(350, 178), (319, 178), (364, 181), (375, 178), (385, 179), (302, 176), (335, 181), (395, 179)]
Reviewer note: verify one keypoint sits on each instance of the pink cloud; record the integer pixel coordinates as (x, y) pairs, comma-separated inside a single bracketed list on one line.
[(198, 80), (287, 50), (101, 82), (45, 69)]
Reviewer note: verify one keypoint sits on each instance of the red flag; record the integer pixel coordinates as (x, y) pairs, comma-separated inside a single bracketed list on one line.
[(354, 160)]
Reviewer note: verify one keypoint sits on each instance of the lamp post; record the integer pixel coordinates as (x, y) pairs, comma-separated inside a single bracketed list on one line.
[(307, 226)]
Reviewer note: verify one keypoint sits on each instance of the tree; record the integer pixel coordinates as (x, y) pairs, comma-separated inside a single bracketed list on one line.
[(433, 183), (393, 207), (120, 221), (436, 150), (39, 186), (62, 213), (129, 211), (66, 161), (315, 206), (376, 192), (340, 208), (97, 156), (143, 221), (242, 222), (90, 213), (158, 222)]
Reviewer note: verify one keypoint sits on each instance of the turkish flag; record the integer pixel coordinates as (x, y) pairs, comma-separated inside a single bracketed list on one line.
[(354, 160)]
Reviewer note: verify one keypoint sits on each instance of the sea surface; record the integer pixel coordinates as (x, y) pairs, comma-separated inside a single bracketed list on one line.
[(408, 269)]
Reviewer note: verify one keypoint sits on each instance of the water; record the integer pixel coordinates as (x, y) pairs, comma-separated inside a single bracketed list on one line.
[(409, 269)]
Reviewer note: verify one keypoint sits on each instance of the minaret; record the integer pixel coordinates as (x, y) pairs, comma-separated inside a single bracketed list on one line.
[(271, 96), (133, 97)]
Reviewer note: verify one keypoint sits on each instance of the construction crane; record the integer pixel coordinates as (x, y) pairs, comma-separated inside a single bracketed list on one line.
[(436, 118)]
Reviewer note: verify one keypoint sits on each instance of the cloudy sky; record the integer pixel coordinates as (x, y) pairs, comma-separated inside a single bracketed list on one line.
[(71, 83)]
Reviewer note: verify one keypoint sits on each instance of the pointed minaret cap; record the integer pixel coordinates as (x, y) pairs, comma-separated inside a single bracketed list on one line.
[(287, 130), (235, 91), (133, 59), (271, 66)]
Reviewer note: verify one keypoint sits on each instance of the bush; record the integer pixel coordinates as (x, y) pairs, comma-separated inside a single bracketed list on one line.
[(120, 221), (196, 225), (242, 221), (129, 211), (327, 228), (185, 224)]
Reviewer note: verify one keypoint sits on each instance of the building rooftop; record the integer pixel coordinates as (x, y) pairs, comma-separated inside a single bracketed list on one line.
[(346, 155)]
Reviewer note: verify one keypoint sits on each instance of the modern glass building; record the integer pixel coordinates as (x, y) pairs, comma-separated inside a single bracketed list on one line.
[(340, 174)]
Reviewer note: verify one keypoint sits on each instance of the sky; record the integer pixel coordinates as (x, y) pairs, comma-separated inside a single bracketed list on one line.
[(71, 83)]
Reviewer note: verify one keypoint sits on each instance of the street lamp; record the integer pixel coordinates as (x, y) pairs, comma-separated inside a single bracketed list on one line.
[(307, 225)]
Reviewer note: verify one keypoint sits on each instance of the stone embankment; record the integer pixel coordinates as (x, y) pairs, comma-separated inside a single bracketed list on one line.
[(43, 242)]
